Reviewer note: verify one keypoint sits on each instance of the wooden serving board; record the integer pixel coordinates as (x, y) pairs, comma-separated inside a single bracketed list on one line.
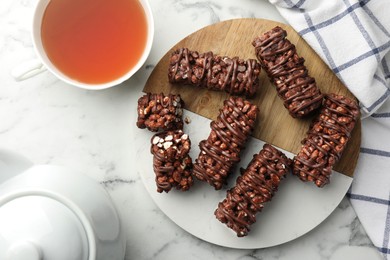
[(274, 124)]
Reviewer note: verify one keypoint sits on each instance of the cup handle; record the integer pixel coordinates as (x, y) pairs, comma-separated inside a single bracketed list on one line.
[(27, 70)]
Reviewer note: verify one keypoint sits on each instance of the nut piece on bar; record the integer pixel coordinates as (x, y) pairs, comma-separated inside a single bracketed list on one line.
[(171, 162), (229, 133), (160, 112), (326, 139), (286, 70), (233, 75), (256, 186)]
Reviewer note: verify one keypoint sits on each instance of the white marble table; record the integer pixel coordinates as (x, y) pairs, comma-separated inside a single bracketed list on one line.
[(93, 132)]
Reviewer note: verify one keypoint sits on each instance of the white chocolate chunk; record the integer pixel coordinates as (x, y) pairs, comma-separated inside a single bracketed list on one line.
[(155, 140), (167, 145)]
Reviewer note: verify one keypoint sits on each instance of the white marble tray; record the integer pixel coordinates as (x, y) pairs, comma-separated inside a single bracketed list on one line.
[(296, 208)]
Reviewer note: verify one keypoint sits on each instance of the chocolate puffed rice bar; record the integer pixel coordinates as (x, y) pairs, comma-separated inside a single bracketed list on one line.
[(160, 112), (287, 71), (254, 188), (171, 161), (233, 75), (326, 139), (229, 133)]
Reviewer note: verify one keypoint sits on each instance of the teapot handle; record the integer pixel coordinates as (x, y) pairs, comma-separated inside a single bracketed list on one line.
[(12, 164)]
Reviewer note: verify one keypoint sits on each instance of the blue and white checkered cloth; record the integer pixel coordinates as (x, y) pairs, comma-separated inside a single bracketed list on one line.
[(353, 38)]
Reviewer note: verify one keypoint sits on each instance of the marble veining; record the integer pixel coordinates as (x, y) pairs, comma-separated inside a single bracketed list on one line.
[(94, 133)]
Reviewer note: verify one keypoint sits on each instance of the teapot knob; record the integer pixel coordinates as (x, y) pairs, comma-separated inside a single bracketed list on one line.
[(24, 250)]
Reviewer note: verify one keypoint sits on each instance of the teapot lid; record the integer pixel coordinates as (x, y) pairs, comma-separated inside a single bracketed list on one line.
[(36, 227)]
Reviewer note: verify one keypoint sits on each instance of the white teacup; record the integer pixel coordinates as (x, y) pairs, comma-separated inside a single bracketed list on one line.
[(34, 67)]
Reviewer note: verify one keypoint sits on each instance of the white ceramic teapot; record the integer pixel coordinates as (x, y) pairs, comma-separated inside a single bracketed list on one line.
[(51, 213)]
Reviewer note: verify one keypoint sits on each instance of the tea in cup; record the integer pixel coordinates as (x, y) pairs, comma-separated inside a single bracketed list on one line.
[(92, 44)]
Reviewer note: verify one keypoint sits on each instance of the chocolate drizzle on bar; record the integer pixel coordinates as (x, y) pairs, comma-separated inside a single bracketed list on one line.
[(286, 70), (232, 75), (255, 187), (326, 139), (160, 112), (171, 161), (229, 133)]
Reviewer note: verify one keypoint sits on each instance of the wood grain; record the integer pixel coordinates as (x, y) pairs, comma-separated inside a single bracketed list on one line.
[(274, 124)]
